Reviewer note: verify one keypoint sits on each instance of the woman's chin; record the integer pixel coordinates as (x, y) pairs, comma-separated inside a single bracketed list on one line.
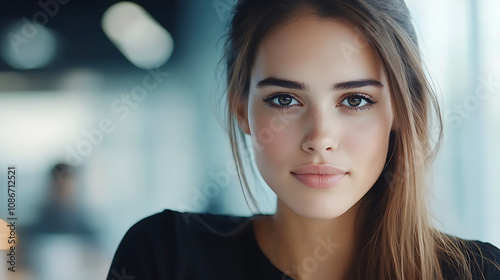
[(318, 211)]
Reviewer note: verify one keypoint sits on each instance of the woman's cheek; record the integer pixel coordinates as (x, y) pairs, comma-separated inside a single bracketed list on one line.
[(275, 136), (366, 143)]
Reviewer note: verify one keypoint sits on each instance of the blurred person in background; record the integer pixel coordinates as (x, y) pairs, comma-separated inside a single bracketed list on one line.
[(60, 212), (60, 243)]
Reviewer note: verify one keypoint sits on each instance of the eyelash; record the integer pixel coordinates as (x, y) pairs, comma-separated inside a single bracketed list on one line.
[(367, 98)]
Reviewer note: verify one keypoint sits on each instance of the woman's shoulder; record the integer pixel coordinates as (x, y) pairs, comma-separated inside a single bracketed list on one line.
[(160, 245), (171, 225), (483, 258), (194, 222)]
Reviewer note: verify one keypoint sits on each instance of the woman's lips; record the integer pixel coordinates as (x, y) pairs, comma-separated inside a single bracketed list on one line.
[(319, 181)]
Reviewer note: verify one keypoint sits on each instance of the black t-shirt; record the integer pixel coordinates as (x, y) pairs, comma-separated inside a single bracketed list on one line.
[(185, 245)]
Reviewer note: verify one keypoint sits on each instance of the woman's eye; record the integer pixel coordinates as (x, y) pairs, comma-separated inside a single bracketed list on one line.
[(280, 101), (357, 102), (354, 102)]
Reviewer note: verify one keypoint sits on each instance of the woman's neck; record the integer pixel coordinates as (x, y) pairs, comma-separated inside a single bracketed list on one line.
[(307, 248)]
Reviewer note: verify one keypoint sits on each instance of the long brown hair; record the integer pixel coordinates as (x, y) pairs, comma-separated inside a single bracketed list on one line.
[(399, 240)]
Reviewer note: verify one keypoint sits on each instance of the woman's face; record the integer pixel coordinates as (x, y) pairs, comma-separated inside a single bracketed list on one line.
[(318, 95)]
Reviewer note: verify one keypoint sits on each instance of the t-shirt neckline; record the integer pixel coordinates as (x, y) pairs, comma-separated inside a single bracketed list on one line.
[(263, 259)]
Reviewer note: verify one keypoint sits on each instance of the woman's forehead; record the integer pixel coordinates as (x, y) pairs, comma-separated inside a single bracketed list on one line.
[(312, 47)]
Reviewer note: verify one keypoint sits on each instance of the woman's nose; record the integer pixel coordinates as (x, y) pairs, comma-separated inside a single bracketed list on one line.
[(321, 135), (320, 145)]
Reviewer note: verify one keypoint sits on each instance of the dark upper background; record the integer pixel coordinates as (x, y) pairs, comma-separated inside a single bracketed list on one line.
[(83, 42)]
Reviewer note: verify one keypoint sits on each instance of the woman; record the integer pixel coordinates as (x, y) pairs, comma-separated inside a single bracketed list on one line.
[(335, 101)]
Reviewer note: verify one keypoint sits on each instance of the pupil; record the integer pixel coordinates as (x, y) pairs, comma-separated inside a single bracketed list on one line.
[(286, 100), (356, 100)]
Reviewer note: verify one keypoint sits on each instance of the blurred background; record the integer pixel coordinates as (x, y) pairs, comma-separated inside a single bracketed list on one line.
[(108, 115)]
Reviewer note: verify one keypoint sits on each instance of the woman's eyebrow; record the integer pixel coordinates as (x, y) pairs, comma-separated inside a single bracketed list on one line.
[(275, 82), (357, 84)]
